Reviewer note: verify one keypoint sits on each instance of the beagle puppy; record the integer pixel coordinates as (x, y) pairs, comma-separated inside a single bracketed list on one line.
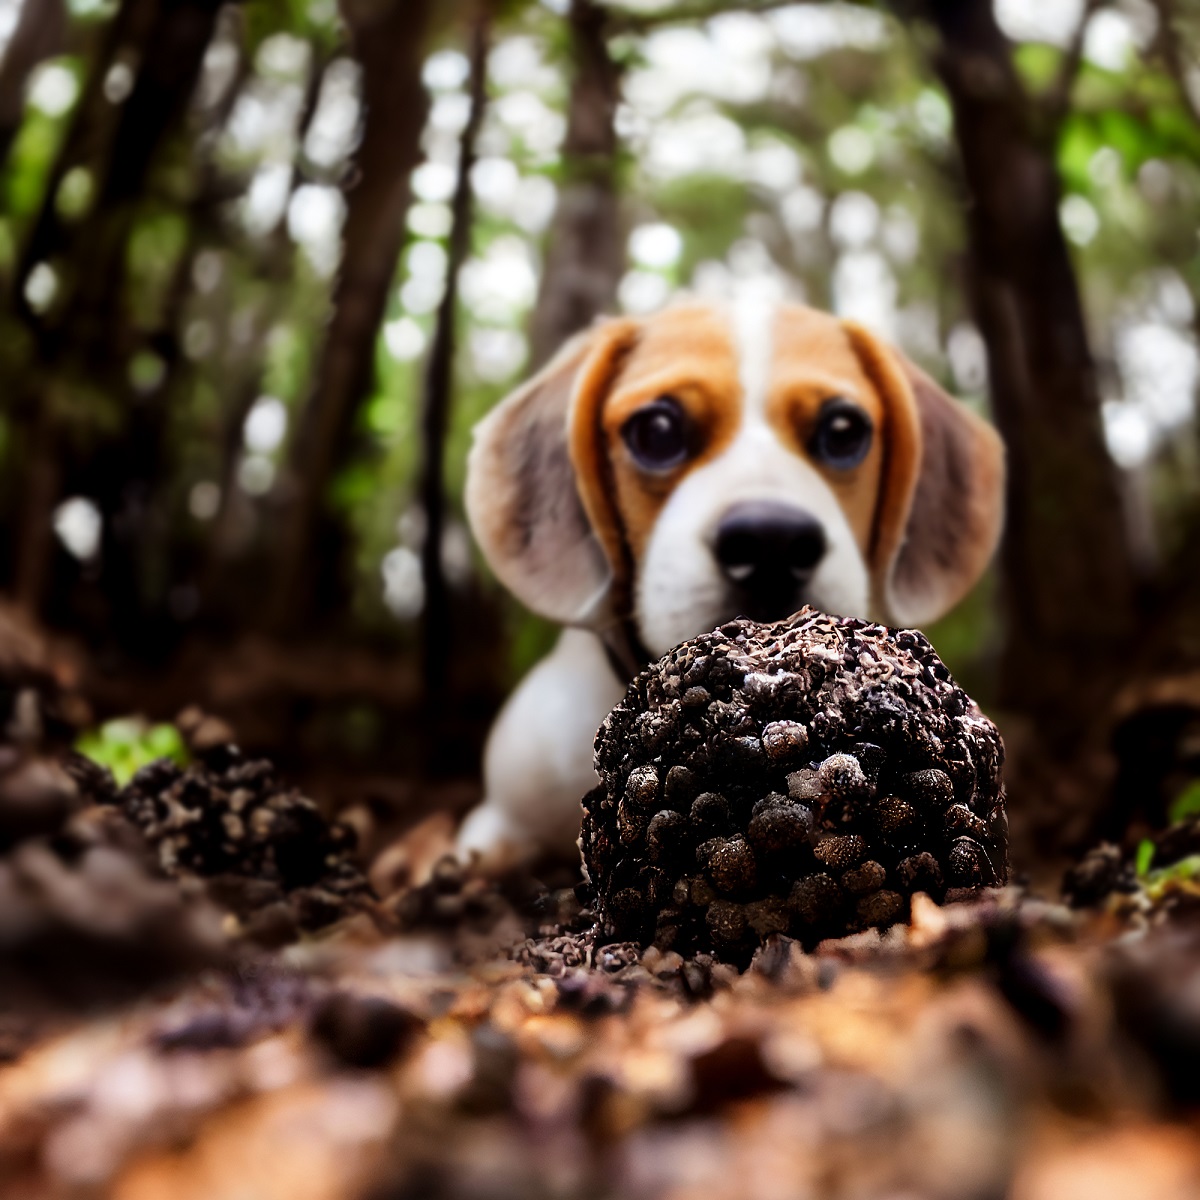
[(663, 475)]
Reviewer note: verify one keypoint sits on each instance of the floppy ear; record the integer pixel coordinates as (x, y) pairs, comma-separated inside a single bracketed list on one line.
[(523, 496), (941, 498)]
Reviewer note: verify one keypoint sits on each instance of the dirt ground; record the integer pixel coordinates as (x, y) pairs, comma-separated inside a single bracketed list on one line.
[(207, 991)]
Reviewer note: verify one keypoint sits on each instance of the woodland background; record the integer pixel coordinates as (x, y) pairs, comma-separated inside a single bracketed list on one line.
[(263, 264)]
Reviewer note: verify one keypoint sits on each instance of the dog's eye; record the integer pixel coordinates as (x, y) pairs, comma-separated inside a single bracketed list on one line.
[(843, 434), (657, 435)]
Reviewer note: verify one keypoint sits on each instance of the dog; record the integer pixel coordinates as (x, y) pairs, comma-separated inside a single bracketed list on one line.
[(664, 474)]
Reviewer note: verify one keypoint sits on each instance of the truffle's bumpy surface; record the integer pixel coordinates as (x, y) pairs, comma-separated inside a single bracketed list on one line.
[(805, 777), (267, 851)]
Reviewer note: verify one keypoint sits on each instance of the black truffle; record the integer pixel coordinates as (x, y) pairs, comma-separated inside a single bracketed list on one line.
[(805, 777), (260, 844)]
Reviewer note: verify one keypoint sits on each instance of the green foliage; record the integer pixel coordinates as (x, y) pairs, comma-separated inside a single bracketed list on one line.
[(1144, 857), (315, 20), (8, 248), (353, 487), (75, 193), (30, 160), (1037, 64), (153, 256), (1186, 804), (709, 209), (146, 371), (94, 9), (289, 360), (1180, 876), (1136, 137), (127, 744)]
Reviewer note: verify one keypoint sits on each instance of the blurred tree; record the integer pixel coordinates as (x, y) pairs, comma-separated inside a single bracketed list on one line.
[(389, 41), (220, 575), (40, 34), (439, 379), (584, 248), (1068, 579), (1176, 53), (167, 42), (82, 331)]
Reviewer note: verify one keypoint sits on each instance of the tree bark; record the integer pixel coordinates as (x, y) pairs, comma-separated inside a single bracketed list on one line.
[(90, 142), (170, 67), (159, 555), (35, 416), (439, 384), (388, 39), (40, 34), (92, 337), (76, 251), (222, 577), (40, 489), (1068, 576), (584, 252)]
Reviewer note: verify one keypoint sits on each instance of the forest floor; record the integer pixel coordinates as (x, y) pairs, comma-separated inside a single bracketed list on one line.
[(205, 991)]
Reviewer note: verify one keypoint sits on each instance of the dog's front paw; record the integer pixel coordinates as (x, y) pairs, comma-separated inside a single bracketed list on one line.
[(491, 843)]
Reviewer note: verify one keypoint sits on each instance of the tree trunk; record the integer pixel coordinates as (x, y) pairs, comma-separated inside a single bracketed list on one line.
[(40, 34), (223, 577), (89, 143), (388, 40), (95, 337), (439, 385), (159, 554), (584, 251), (1069, 580), (41, 482), (50, 238), (166, 79)]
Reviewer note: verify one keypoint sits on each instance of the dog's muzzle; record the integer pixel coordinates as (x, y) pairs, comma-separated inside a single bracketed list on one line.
[(768, 551)]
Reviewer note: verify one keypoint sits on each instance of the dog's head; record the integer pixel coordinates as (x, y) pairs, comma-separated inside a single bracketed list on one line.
[(705, 463)]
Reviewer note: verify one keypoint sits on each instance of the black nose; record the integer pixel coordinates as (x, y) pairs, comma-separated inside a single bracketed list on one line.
[(770, 551)]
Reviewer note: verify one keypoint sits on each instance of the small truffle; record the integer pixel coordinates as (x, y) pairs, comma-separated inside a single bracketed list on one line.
[(230, 820)]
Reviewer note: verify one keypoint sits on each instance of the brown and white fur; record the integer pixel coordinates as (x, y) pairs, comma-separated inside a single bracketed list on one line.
[(634, 554)]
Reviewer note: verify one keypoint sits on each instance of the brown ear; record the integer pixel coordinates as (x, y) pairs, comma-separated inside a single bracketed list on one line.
[(523, 496), (941, 499)]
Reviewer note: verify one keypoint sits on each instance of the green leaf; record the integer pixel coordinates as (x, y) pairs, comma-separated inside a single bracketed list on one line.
[(385, 415), (1076, 145), (1038, 64), (352, 487), (1186, 804), (127, 744), (1145, 856), (1185, 871)]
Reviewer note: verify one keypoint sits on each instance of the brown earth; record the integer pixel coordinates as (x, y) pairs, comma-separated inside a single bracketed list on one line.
[(195, 1004)]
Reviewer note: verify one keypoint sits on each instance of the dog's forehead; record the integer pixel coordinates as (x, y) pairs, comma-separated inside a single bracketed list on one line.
[(694, 337), (749, 346), (806, 337)]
